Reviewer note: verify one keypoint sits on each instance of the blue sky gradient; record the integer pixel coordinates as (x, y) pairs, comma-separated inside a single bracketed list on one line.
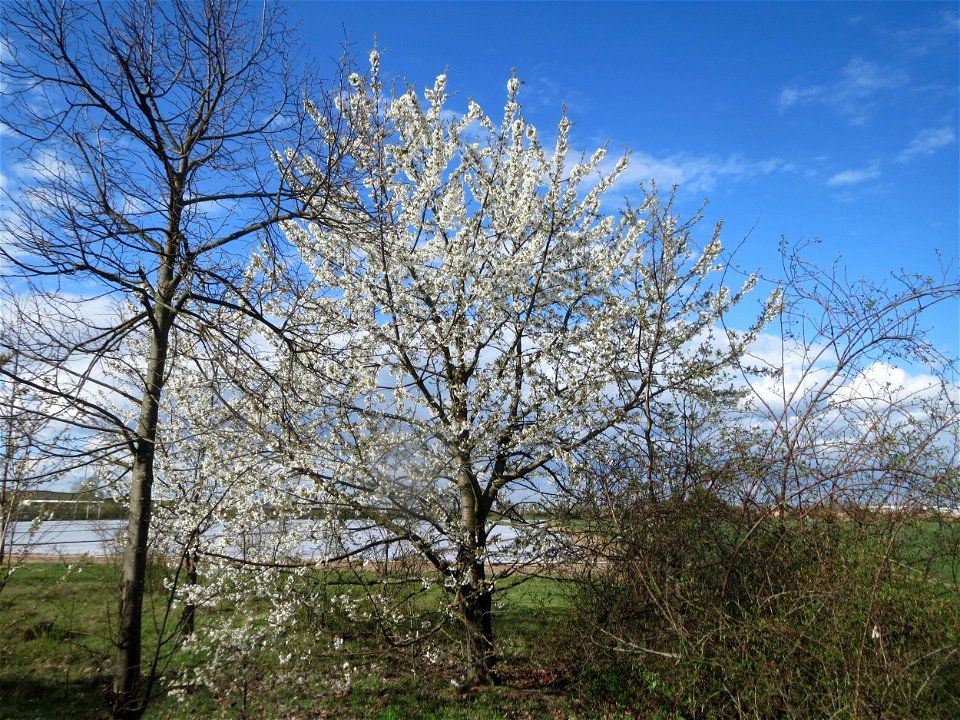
[(829, 121)]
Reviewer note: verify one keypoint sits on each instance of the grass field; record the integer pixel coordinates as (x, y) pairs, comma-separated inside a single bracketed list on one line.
[(56, 653)]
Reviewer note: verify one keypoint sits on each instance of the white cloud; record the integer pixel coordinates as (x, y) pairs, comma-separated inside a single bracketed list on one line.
[(853, 177), (854, 94), (862, 77), (798, 377), (698, 174), (809, 377), (51, 324), (543, 92), (882, 383), (44, 165), (791, 96), (927, 142), (6, 56), (922, 40)]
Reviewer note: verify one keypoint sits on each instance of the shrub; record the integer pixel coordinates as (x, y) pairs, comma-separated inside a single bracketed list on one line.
[(704, 610)]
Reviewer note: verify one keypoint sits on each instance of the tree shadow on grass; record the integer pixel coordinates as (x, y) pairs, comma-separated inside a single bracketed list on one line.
[(33, 699)]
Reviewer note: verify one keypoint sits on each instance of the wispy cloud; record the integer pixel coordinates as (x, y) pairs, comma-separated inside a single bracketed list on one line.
[(542, 92), (6, 56), (922, 40), (853, 95), (698, 174), (44, 165), (853, 177), (791, 96), (927, 142)]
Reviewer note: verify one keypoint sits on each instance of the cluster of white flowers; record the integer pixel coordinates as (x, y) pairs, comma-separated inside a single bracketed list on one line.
[(472, 318)]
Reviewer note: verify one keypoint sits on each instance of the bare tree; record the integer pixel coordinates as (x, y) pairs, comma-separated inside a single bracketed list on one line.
[(34, 448), (801, 528), (146, 132), (837, 415)]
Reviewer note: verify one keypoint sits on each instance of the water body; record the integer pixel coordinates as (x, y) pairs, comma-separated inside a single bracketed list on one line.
[(104, 538), (98, 538)]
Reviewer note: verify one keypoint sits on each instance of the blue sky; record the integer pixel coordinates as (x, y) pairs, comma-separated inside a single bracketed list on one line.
[(828, 121)]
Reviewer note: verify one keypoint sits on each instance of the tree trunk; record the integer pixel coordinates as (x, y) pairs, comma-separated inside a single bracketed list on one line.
[(475, 597), (127, 672), (126, 679), (190, 609), (476, 611)]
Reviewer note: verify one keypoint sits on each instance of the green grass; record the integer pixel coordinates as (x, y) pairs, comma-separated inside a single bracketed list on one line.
[(56, 653), (56, 649), (933, 547), (54, 641)]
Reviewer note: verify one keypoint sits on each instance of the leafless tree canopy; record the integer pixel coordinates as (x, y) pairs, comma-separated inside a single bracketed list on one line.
[(149, 138)]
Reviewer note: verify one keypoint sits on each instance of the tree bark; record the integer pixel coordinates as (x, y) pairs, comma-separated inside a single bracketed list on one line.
[(126, 680), (475, 596), (189, 619), (476, 599), (127, 671)]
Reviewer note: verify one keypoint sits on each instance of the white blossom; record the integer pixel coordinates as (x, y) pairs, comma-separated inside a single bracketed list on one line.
[(466, 322)]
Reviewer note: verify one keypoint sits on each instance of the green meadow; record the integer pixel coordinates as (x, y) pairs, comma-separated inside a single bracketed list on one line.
[(854, 635)]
